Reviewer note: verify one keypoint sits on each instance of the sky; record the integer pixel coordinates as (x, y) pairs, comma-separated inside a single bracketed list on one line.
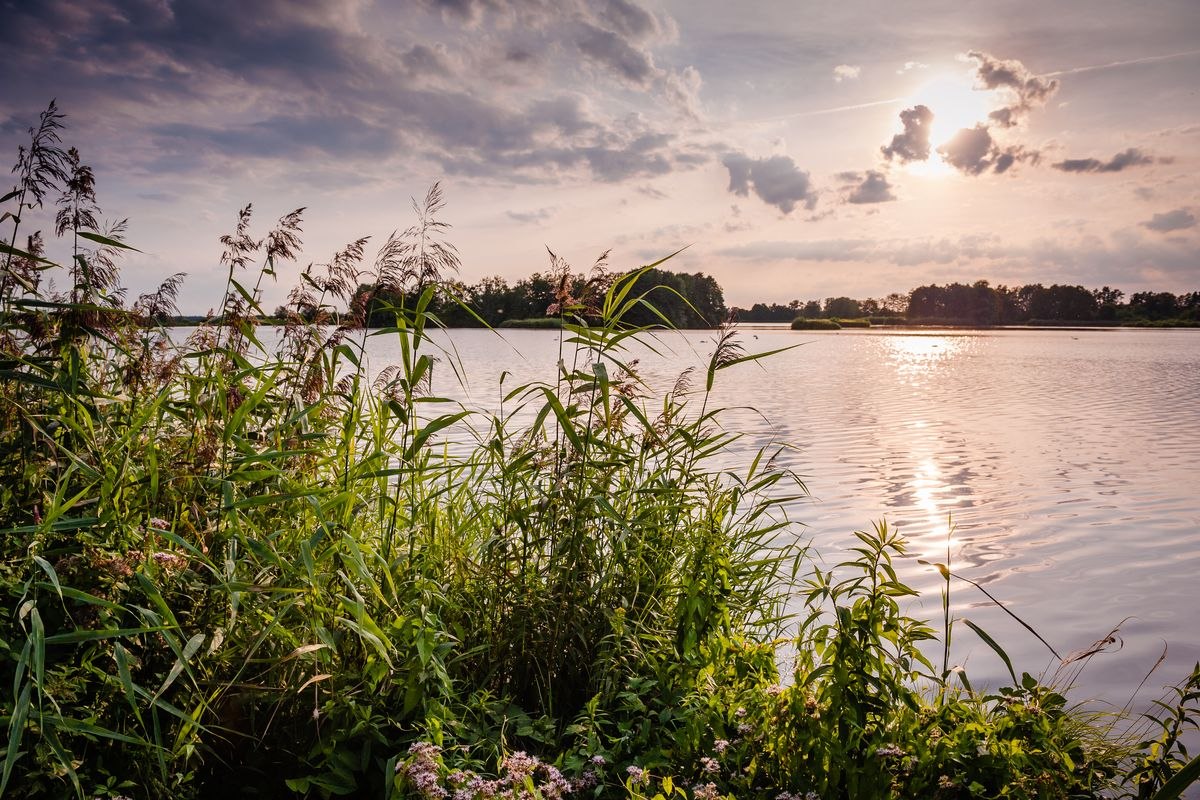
[(797, 150)]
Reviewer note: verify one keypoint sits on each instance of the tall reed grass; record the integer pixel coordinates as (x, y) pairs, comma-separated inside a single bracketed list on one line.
[(263, 570)]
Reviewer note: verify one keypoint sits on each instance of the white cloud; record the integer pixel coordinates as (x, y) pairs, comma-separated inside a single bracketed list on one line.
[(846, 72)]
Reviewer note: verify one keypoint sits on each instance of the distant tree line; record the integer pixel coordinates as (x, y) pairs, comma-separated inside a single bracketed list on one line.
[(685, 300), (983, 304)]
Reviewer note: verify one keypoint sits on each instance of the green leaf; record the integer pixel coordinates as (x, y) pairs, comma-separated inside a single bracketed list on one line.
[(16, 729), (1187, 776), (97, 238), (995, 647)]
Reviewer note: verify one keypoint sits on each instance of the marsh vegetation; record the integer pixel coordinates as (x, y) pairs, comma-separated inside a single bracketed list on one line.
[(263, 571)]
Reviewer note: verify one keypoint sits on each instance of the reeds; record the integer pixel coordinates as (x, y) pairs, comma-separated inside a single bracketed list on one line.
[(233, 564)]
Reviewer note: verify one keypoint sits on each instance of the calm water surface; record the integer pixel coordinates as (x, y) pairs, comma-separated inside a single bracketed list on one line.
[(1067, 461)]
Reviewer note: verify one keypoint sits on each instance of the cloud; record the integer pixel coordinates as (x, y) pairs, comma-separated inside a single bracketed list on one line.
[(776, 180), (909, 66), (913, 144), (973, 151), (617, 53), (1123, 258), (325, 77), (631, 20), (1177, 220), (846, 72), (1131, 157), (901, 252), (421, 59), (871, 187), (1025, 89), (531, 217), (969, 150)]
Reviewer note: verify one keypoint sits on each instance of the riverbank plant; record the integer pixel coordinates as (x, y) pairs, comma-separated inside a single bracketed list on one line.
[(804, 324), (268, 567)]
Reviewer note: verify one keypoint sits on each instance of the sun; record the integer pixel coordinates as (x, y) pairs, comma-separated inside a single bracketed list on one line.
[(956, 103)]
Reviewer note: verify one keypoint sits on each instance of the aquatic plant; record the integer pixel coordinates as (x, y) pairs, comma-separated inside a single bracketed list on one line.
[(233, 563), (819, 324)]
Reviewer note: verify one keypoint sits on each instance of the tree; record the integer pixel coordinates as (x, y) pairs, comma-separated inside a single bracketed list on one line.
[(842, 307), (895, 303), (1154, 305), (1061, 302)]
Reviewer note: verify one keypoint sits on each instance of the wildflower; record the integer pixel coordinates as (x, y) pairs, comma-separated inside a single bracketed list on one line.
[(946, 782), (774, 690), (637, 776), (741, 712), (422, 770), (478, 789), (709, 766), (598, 760), (555, 785), (706, 792), (721, 745), (745, 729), (588, 780), (169, 561), (889, 751)]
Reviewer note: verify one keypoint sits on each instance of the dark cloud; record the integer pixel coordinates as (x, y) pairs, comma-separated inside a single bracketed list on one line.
[(913, 144), (776, 180), (615, 52), (1177, 220), (312, 77), (871, 187), (282, 137), (969, 150), (630, 19), (1123, 160), (973, 151), (1027, 90), (423, 60)]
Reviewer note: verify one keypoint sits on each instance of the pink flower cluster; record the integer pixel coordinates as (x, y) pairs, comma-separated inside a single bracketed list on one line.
[(517, 770)]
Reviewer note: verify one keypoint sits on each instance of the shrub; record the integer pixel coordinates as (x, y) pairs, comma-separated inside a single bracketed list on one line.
[(804, 324)]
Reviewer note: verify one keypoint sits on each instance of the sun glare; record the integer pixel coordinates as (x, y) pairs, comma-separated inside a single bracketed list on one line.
[(956, 104)]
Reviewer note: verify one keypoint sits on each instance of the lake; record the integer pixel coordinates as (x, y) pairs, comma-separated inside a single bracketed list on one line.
[(1066, 460)]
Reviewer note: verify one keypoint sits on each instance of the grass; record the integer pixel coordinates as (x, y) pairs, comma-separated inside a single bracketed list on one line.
[(802, 324), (554, 323), (263, 570)]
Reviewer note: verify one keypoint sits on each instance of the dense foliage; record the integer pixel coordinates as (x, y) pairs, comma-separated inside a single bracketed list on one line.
[(260, 569), (983, 304), (679, 300)]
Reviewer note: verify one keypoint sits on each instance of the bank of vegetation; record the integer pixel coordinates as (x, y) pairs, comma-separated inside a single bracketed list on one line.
[(982, 305), (235, 569)]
